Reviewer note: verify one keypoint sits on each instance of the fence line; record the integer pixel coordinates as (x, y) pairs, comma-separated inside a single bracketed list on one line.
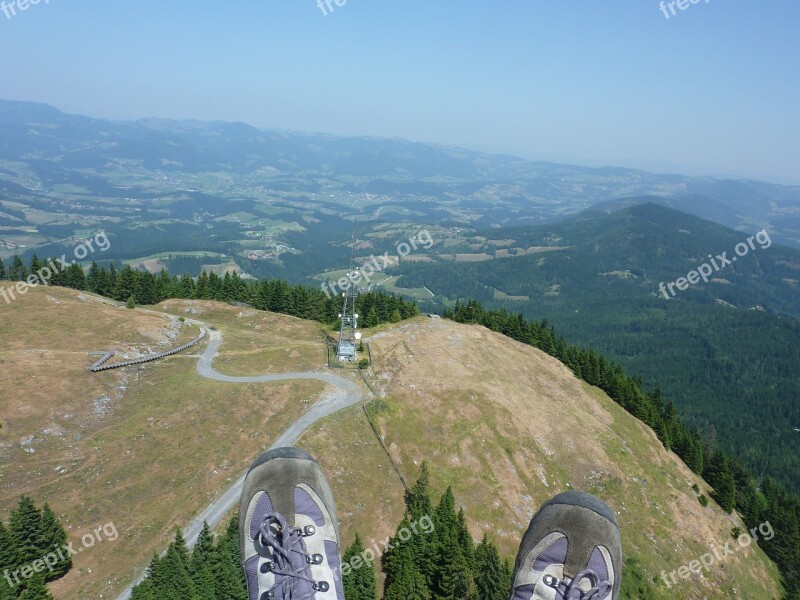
[(101, 366)]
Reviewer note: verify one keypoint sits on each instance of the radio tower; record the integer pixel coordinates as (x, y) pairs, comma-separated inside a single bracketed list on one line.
[(349, 334)]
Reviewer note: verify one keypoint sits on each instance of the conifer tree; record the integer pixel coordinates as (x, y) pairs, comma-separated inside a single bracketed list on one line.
[(171, 579), (17, 271), (418, 499), (457, 582), (203, 560), (54, 537), (391, 558), (93, 278), (146, 589), (203, 553), (359, 584), (465, 539), (418, 507), (204, 583), (104, 286), (453, 573), (36, 265), (201, 288), (232, 534), (718, 474), (227, 288), (26, 531), (8, 554), (227, 570), (112, 278), (506, 578), (186, 287), (164, 287), (371, 319), (406, 583), (6, 591), (725, 493), (35, 589), (490, 577), (59, 276), (146, 288), (3, 273), (125, 286), (75, 278), (181, 549), (214, 287)]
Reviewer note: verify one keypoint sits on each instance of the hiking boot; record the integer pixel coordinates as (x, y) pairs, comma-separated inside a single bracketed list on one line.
[(571, 551), (288, 532)]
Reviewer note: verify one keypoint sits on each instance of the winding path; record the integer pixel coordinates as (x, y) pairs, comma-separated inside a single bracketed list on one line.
[(346, 393)]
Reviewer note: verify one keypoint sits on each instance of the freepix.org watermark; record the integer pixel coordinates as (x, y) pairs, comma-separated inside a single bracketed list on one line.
[(718, 555), (378, 264), (61, 553), (367, 557), (721, 261), (326, 6), (55, 266), (10, 7), (668, 8)]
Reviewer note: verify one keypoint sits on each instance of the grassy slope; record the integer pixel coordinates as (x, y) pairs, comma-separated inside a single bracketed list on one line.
[(163, 446), (509, 432)]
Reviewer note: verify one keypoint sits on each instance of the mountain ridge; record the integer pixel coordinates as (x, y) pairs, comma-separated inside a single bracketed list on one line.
[(725, 351), (512, 427)]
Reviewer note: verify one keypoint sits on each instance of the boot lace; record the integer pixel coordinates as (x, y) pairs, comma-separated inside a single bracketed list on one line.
[(290, 563), (570, 590)]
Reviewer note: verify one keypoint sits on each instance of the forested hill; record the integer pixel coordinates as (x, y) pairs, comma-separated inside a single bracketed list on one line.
[(726, 351), (627, 254)]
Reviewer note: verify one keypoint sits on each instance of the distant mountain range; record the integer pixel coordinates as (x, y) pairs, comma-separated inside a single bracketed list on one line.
[(62, 150)]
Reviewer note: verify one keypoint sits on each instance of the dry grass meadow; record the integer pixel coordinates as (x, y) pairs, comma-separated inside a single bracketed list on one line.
[(147, 447)]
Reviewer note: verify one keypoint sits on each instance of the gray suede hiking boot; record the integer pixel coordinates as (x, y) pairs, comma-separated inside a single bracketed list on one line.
[(288, 531), (571, 551)]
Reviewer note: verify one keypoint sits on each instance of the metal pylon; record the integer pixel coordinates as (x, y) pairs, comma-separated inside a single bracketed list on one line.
[(348, 332)]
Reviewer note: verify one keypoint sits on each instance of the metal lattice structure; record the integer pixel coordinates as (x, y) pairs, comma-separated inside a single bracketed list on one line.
[(348, 332)]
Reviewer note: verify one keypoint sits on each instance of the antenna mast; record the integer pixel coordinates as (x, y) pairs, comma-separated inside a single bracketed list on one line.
[(348, 333)]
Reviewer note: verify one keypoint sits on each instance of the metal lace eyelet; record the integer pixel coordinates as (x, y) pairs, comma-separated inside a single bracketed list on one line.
[(321, 586), (550, 581), (308, 530), (314, 559)]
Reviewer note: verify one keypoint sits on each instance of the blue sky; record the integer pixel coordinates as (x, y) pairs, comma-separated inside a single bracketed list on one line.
[(713, 90)]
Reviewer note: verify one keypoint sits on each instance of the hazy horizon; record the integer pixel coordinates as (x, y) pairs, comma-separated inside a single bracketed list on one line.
[(707, 91)]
